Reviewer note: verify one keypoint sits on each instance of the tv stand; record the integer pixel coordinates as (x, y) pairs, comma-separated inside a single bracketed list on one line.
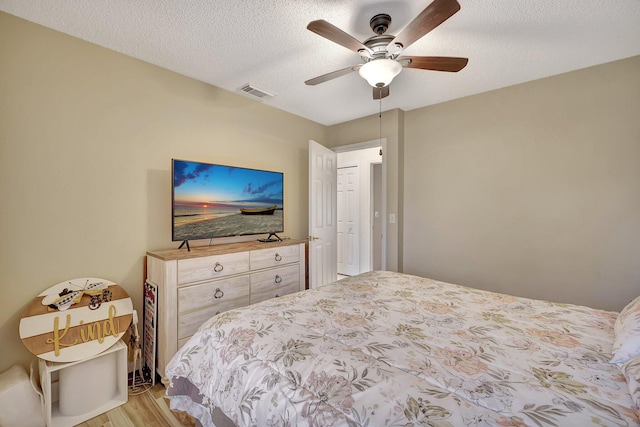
[(244, 273), (185, 242), (272, 237)]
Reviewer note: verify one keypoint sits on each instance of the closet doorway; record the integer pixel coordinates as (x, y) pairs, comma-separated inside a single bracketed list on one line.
[(360, 208)]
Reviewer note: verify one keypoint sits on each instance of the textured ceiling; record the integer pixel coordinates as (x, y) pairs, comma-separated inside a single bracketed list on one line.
[(229, 43)]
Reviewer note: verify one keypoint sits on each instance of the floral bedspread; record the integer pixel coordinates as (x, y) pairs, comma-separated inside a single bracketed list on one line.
[(389, 349)]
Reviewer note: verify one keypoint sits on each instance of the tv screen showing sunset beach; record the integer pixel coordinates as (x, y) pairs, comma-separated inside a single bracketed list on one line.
[(212, 200)]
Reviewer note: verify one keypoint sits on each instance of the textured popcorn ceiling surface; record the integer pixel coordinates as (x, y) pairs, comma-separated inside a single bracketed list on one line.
[(229, 43)]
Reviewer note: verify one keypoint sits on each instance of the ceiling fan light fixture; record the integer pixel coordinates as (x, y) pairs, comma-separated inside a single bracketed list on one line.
[(380, 72)]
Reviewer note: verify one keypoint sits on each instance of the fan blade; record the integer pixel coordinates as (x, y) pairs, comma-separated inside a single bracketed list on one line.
[(435, 63), (336, 35), (332, 75), (380, 92), (432, 16)]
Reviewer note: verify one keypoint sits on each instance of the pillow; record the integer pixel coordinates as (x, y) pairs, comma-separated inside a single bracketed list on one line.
[(631, 371), (626, 341)]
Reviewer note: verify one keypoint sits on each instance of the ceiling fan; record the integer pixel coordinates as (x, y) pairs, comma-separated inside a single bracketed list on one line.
[(380, 53)]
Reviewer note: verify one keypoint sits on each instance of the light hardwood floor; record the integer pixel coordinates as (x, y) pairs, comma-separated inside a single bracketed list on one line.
[(144, 410)]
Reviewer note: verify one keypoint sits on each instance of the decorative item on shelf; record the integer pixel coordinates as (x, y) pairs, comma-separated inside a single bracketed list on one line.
[(63, 300), (76, 319)]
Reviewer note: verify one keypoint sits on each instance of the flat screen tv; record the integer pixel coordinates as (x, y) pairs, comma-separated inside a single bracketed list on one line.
[(211, 201)]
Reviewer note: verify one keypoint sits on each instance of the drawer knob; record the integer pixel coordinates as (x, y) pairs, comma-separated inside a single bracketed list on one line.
[(218, 267), (278, 257), (277, 296), (217, 312), (218, 293), (278, 279)]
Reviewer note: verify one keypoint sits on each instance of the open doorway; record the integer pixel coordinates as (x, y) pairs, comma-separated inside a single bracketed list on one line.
[(322, 260), (360, 202)]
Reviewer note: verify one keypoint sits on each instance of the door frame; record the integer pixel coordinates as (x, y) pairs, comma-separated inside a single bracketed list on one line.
[(382, 143)]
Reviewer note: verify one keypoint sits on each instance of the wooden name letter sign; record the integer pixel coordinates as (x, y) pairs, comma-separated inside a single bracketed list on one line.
[(76, 319)]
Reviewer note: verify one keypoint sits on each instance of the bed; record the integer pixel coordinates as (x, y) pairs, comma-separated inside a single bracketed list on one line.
[(390, 349)]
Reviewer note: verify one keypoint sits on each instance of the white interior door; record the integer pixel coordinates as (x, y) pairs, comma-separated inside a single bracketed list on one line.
[(348, 221), (322, 215)]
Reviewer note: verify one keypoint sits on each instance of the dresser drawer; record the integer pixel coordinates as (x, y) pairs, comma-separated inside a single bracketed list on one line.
[(196, 297), (274, 283), (189, 323), (271, 257), (274, 293), (197, 303), (211, 267)]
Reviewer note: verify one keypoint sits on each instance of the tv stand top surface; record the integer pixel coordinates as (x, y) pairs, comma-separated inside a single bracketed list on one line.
[(199, 251)]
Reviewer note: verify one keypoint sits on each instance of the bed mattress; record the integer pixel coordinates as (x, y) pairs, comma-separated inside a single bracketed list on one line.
[(390, 349)]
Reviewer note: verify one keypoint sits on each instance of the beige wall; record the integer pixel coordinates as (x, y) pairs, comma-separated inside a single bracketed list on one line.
[(532, 190), (86, 140)]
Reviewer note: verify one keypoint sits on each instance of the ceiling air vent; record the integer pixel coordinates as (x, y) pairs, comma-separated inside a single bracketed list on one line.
[(256, 92)]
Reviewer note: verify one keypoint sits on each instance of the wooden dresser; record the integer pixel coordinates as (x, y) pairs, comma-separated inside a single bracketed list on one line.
[(194, 286)]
